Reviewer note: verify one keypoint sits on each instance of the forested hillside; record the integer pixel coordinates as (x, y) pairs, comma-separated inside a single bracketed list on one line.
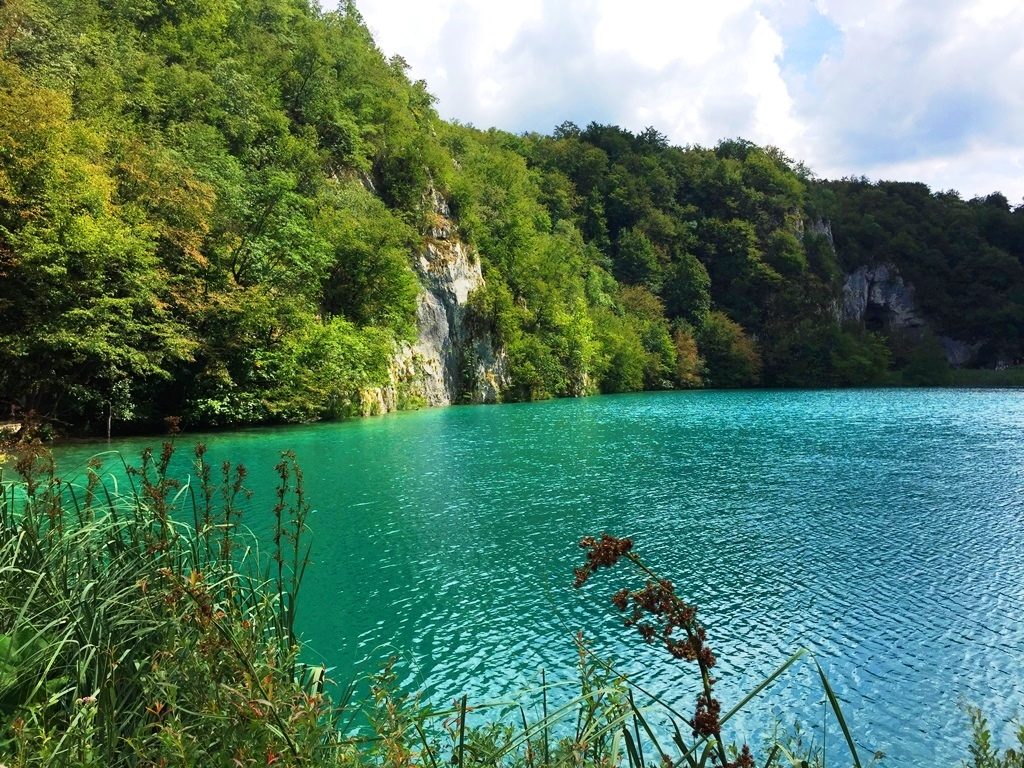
[(964, 257), (209, 209)]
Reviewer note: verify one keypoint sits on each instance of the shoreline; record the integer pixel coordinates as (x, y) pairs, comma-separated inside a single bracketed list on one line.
[(73, 440)]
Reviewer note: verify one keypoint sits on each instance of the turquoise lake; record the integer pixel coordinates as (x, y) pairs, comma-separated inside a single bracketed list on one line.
[(883, 530)]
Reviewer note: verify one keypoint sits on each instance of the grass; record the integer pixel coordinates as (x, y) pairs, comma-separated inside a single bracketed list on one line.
[(141, 625), (131, 638)]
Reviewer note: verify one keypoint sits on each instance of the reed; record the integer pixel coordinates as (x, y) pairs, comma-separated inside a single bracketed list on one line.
[(131, 637)]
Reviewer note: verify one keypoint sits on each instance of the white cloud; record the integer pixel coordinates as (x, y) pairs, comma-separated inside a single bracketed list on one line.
[(684, 32), (930, 88), (698, 71), (886, 88)]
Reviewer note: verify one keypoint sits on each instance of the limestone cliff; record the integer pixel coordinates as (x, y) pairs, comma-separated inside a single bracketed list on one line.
[(878, 298), (448, 362), (821, 227)]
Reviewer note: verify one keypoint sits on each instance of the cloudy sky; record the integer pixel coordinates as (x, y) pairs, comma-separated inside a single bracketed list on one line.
[(926, 90)]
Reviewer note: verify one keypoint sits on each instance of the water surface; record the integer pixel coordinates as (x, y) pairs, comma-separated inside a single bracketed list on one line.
[(883, 530)]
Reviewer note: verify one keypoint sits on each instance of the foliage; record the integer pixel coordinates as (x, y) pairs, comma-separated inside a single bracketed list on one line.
[(689, 365), (185, 225), (687, 289), (268, 357), (549, 299), (962, 256), (636, 260), (211, 210), (827, 355), (921, 360), (129, 638), (657, 613), (983, 753), (370, 281), (730, 356), (647, 314), (61, 227), (987, 377)]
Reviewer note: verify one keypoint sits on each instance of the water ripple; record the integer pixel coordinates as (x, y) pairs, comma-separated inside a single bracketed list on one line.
[(882, 530)]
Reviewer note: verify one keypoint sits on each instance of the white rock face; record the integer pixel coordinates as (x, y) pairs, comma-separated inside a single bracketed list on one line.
[(879, 295), (448, 362), (822, 227)]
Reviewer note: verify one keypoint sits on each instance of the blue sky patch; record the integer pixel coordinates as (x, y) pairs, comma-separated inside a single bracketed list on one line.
[(806, 45)]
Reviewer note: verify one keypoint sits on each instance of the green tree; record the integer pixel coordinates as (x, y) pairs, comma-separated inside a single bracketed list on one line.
[(371, 281), (80, 299), (689, 365), (636, 260), (687, 289), (730, 356)]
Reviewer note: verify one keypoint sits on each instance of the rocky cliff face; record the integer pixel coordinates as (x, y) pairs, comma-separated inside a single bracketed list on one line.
[(822, 227), (879, 298), (448, 362)]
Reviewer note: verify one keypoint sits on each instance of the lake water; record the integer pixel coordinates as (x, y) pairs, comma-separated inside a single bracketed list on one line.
[(883, 530)]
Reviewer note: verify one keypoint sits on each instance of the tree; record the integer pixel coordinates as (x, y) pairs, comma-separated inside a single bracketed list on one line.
[(371, 281), (81, 309), (637, 261), (687, 289), (689, 365), (730, 355), (646, 313)]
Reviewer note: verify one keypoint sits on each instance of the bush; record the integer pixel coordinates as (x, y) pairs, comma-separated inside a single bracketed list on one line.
[(983, 754)]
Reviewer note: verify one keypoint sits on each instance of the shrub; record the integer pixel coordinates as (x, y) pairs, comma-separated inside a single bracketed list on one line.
[(983, 754)]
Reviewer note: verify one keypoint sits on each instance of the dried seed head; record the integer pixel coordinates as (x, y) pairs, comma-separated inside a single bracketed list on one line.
[(601, 553)]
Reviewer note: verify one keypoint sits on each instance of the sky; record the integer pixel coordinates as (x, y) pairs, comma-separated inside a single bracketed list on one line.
[(912, 90)]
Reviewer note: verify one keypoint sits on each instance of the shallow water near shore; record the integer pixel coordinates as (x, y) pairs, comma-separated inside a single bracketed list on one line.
[(883, 530)]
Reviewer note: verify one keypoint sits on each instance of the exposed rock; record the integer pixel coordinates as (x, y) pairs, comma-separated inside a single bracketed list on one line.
[(442, 225), (878, 298), (448, 362), (958, 353), (822, 227)]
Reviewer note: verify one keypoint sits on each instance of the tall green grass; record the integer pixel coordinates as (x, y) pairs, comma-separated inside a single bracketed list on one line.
[(130, 637)]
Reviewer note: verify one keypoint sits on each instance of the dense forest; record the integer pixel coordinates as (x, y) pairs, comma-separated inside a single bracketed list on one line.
[(209, 210)]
